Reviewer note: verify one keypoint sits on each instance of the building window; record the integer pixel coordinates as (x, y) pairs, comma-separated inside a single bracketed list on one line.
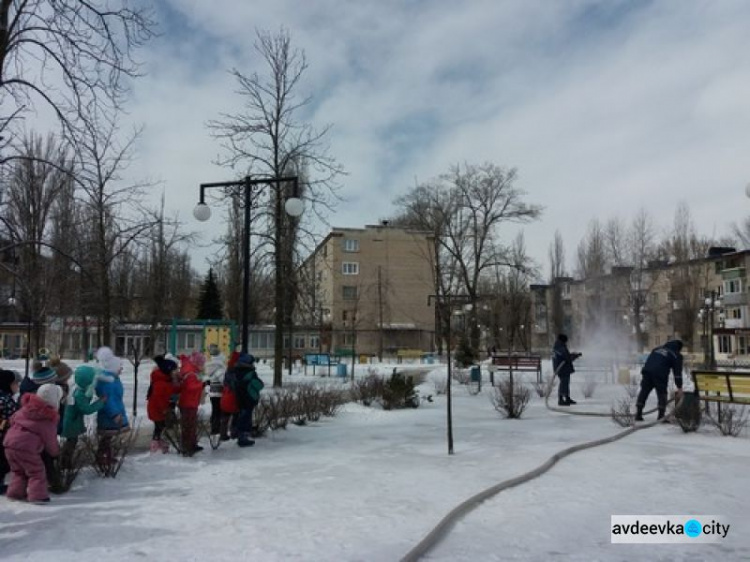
[(350, 339), (314, 342), (349, 292), (350, 268), (735, 313), (733, 286), (654, 298), (742, 345), (348, 316), (351, 245), (566, 290), (725, 344), (299, 342)]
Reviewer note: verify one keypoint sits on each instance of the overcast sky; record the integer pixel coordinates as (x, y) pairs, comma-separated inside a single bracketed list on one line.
[(604, 107)]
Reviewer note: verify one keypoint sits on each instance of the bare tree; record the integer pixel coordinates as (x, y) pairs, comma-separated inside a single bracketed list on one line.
[(266, 139), (114, 211), (484, 198), (557, 271), (641, 250), (37, 181), (65, 55), (427, 207), (687, 250), (592, 252)]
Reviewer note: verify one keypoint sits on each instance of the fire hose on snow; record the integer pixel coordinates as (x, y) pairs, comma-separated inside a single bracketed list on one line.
[(441, 530)]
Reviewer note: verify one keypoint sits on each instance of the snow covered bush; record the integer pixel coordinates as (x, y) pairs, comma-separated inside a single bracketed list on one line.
[(545, 386), (730, 420), (622, 412), (510, 398), (589, 386), (441, 386)]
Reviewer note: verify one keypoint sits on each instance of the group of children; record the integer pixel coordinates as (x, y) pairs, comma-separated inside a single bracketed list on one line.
[(46, 409), (30, 426), (233, 388)]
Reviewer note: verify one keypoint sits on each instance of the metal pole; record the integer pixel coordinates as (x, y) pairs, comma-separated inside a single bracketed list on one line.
[(448, 390), (246, 269)]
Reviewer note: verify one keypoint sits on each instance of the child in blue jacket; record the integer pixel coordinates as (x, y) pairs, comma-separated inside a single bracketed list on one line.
[(112, 418)]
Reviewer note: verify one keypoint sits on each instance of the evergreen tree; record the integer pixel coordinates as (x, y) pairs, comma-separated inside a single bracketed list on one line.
[(209, 301)]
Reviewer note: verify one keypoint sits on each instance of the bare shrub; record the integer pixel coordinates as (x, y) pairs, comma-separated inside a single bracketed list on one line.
[(730, 420), (632, 388), (461, 376), (368, 390), (545, 386), (108, 449), (64, 469), (588, 386), (510, 398), (622, 412)]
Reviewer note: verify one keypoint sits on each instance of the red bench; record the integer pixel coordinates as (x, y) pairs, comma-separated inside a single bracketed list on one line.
[(516, 363)]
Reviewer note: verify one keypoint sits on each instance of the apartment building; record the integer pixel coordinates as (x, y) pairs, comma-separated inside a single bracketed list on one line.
[(631, 310), (370, 290)]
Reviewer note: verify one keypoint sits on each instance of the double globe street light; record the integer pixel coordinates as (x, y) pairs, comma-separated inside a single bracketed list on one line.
[(294, 207)]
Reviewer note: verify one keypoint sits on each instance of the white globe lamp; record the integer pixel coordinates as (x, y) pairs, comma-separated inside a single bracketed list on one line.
[(202, 212)]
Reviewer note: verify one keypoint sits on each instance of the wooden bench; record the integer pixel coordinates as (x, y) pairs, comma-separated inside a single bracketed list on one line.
[(515, 363), (722, 386)]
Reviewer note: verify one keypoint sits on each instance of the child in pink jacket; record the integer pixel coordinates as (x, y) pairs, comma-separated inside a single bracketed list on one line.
[(33, 429)]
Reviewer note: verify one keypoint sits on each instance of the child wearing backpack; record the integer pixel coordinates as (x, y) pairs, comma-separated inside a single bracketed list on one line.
[(248, 386)]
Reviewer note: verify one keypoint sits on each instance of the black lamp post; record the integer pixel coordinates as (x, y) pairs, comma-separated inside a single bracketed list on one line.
[(449, 301), (202, 212)]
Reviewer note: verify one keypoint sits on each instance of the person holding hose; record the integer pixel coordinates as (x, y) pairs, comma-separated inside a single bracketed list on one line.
[(655, 375), (562, 363)]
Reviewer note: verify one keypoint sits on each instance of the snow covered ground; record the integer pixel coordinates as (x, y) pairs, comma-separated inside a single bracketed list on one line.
[(368, 484)]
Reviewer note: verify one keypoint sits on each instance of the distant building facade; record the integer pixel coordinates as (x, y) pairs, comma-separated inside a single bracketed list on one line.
[(634, 310), (368, 291)]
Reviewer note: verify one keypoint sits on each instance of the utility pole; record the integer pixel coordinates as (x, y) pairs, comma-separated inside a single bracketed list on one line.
[(380, 312)]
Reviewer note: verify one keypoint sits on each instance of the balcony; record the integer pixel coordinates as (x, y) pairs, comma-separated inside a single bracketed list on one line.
[(733, 273), (734, 299), (734, 323)]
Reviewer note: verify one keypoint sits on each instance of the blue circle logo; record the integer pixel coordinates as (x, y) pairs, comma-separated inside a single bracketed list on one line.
[(693, 528)]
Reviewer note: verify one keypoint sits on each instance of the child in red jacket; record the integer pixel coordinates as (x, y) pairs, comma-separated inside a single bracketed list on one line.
[(191, 392), (33, 429), (164, 384)]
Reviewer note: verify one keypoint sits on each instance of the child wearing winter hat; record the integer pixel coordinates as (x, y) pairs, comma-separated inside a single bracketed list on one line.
[(40, 375), (32, 430), (191, 392), (80, 406), (164, 384), (111, 419), (9, 383)]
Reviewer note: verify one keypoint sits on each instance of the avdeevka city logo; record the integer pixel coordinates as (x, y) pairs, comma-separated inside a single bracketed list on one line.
[(693, 528)]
